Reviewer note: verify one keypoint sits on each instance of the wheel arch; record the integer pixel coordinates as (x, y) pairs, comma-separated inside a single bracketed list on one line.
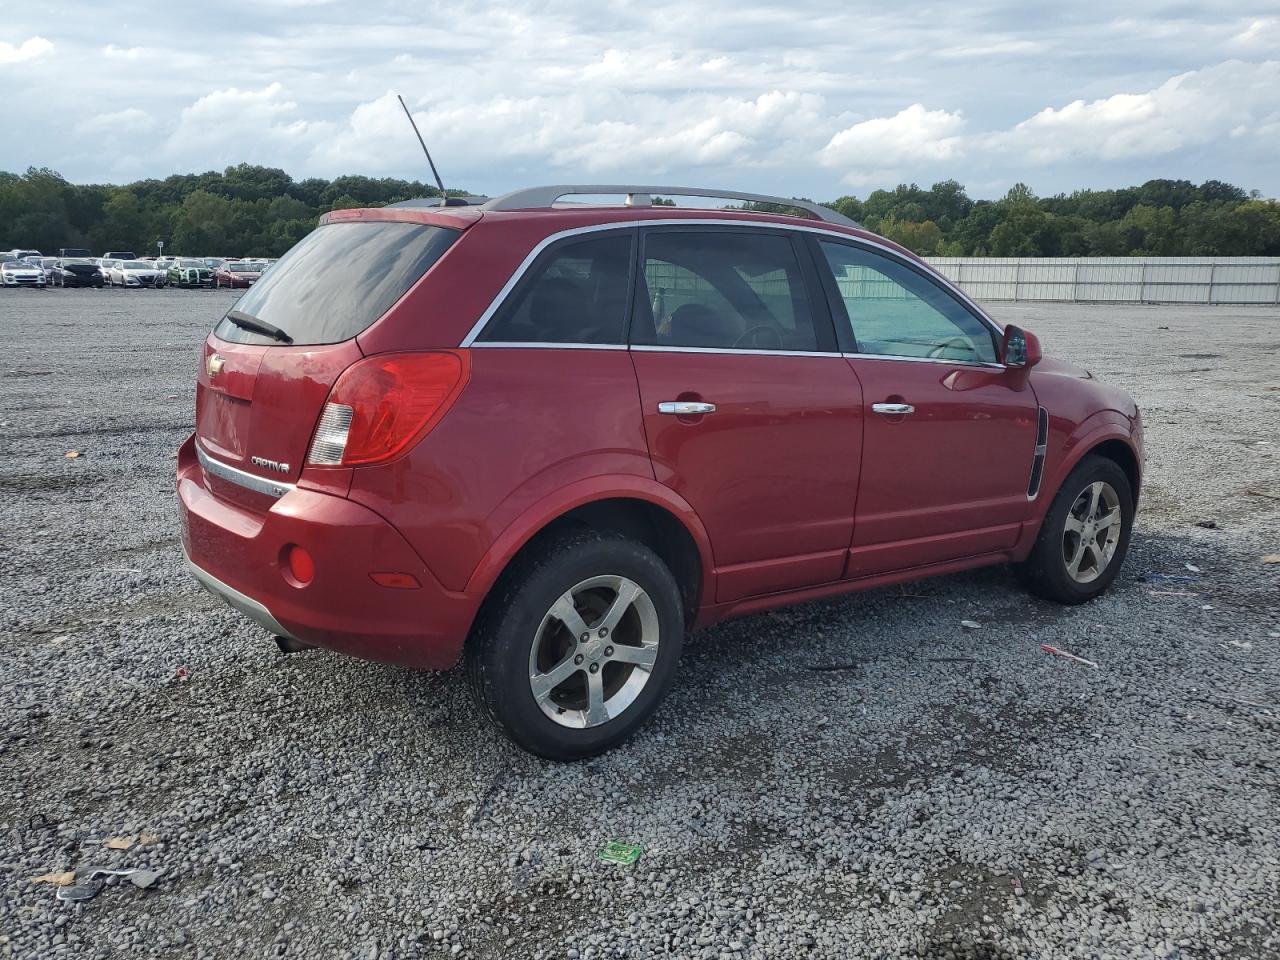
[(1111, 440), (1123, 455), (644, 511)]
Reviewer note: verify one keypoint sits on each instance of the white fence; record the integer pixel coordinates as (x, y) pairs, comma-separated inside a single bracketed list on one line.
[(1117, 279)]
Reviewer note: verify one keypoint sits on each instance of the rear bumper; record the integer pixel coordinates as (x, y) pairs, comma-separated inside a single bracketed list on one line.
[(238, 554), (250, 607)]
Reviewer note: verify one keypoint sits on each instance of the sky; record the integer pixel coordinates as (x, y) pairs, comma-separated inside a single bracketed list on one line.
[(797, 98)]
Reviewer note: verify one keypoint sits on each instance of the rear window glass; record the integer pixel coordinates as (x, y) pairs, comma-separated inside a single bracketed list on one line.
[(335, 282)]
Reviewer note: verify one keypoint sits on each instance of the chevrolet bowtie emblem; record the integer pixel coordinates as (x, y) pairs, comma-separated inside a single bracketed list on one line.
[(214, 365)]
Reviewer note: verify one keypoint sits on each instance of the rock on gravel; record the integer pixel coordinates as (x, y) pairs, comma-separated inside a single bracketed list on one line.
[(945, 792)]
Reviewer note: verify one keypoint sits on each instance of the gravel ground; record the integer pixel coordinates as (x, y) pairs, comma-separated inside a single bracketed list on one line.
[(855, 778)]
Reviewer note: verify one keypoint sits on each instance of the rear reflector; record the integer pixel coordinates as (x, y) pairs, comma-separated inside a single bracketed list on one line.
[(301, 566), (383, 405), (397, 581)]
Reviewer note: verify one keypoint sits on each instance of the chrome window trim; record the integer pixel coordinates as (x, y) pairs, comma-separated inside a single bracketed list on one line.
[(470, 339), (541, 345), (745, 351), (890, 356), (250, 481)]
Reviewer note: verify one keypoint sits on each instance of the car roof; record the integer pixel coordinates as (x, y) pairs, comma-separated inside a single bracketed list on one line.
[(546, 214)]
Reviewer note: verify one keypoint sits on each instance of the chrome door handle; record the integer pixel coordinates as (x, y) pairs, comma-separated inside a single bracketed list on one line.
[(893, 409), (685, 408)]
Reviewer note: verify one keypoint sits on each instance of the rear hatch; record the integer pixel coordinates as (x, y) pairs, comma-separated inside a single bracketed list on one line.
[(259, 395)]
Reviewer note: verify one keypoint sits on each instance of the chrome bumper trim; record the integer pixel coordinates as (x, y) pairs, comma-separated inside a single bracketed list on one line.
[(238, 601), (250, 481)]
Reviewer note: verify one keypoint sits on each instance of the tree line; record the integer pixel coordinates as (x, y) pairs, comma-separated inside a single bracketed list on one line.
[(249, 210)]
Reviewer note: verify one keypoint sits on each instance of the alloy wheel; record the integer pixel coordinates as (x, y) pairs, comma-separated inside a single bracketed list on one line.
[(1092, 532), (594, 651)]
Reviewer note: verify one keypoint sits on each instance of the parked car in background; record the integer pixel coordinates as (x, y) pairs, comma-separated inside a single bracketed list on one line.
[(550, 439), (20, 254), (189, 273), (236, 274), (7, 257), (134, 273), (119, 255), (21, 273), (77, 253), (213, 263), (76, 272)]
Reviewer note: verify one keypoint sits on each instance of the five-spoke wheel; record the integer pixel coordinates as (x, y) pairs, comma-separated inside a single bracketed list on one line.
[(1085, 534), (578, 643), (1091, 532)]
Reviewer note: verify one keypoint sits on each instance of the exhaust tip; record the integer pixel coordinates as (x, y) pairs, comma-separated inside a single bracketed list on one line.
[(292, 645)]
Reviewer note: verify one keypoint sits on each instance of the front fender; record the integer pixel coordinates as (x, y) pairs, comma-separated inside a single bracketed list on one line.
[(571, 496), (1065, 455)]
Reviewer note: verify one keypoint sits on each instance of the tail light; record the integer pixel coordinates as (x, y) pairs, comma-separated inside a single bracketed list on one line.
[(383, 405)]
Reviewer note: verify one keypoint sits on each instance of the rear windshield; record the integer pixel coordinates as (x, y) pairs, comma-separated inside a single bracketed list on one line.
[(338, 280)]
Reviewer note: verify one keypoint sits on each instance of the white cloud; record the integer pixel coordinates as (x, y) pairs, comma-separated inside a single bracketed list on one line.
[(30, 49), (1260, 34), (793, 97), (590, 131), (1230, 101), (129, 120), (914, 137), (234, 125), (123, 53), (1189, 110)]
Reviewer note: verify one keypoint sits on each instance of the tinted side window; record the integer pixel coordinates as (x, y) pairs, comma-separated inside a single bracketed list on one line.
[(725, 290), (576, 293), (896, 312)]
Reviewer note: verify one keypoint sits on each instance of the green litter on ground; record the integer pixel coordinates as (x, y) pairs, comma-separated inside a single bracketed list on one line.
[(615, 851)]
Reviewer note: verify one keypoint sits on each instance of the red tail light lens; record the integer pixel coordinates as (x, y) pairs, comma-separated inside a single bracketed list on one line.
[(383, 405)]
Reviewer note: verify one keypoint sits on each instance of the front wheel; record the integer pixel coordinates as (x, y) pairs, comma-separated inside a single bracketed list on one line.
[(578, 644), (1085, 535)]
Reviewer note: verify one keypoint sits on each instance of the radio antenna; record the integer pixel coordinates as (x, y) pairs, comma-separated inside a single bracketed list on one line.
[(435, 173)]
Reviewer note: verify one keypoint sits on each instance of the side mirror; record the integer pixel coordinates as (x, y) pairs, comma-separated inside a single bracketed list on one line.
[(1021, 348)]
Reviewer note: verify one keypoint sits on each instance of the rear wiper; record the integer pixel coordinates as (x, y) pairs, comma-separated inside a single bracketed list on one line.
[(249, 322)]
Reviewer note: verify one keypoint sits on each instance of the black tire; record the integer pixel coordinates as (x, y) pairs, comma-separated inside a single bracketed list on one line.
[(1045, 571), (498, 652)]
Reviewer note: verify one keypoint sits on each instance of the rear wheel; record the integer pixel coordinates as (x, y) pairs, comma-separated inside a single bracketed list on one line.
[(1085, 535), (577, 645)]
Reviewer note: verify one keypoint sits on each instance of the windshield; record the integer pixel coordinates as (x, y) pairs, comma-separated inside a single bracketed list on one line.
[(338, 280), (76, 261), (242, 268), (191, 264), (136, 265)]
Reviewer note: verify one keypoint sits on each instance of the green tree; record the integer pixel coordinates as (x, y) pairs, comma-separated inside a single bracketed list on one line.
[(204, 225), (920, 238)]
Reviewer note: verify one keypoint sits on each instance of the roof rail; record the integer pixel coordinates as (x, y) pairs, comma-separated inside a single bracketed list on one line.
[(544, 197)]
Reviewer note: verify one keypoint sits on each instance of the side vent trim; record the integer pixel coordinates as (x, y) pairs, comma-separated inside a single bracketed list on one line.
[(1042, 446)]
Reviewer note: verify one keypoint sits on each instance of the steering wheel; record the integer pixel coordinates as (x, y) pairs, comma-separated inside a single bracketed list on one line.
[(748, 339), (960, 342)]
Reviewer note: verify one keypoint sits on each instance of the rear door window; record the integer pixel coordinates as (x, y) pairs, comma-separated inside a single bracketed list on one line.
[(575, 293), (335, 282), (718, 289)]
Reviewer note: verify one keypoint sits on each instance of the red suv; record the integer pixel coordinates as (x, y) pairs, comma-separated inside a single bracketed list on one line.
[(552, 438)]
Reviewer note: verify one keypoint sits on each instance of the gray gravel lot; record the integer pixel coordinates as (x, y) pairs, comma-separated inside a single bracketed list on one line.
[(855, 778)]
